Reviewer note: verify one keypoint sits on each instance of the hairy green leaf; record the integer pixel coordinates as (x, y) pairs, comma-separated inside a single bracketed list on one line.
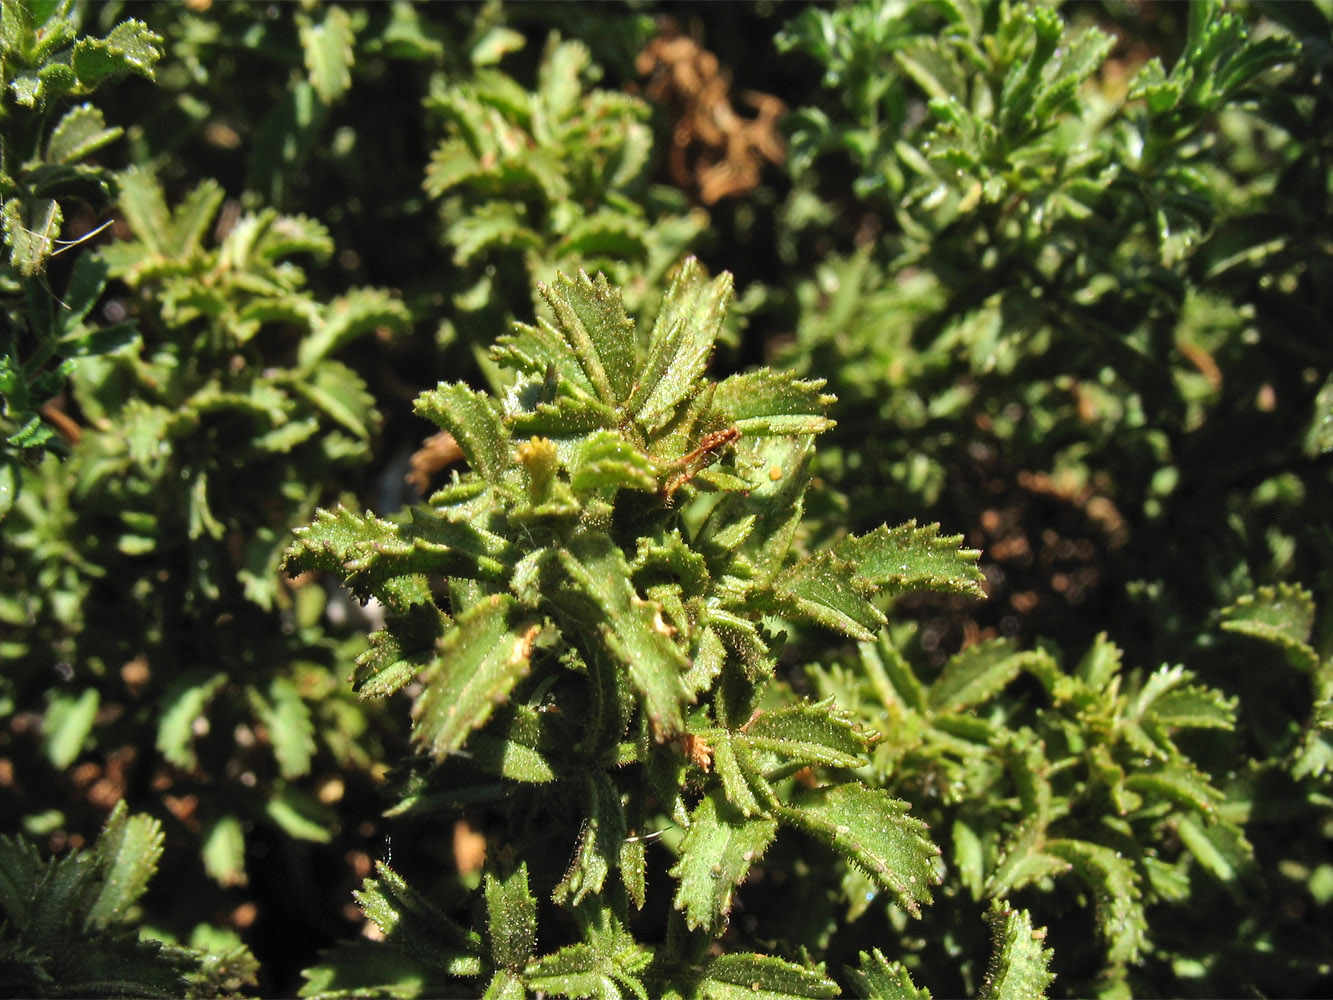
[(480, 660), (1115, 887), (682, 339), (475, 423), (719, 847), (598, 847), (591, 319), (811, 734), (1019, 965), (739, 976), (913, 558), (132, 847), (1282, 615), (873, 831), (876, 978), (511, 915), (80, 132), (975, 674), (632, 629)]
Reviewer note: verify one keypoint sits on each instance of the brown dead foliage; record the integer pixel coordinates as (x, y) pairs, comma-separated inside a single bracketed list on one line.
[(715, 151), (437, 452)]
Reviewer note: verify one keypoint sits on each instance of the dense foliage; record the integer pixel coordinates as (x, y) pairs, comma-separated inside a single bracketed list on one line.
[(703, 501)]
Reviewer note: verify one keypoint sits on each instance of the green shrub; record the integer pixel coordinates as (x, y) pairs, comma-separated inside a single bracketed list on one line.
[(146, 561), (44, 174), (68, 928), (686, 718), (1110, 285), (600, 661)]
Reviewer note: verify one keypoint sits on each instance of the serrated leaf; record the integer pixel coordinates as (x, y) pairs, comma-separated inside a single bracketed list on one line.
[(1282, 615), (32, 433), (808, 733), (347, 317), (181, 706), (80, 132), (145, 209), (1194, 707), (577, 971), (339, 394), (827, 590), (378, 558), (742, 976), (873, 831), (740, 774), (1021, 863), (271, 238), (591, 319), (130, 848), (290, 727), (328, 52), (395, 655), (491, 225), (598, 845), (1025, 759), (541, 351), (451, 163), (570, 414), (1176, 783), (605, 460), (633, 859), (416, 929), (913, 558), (975, 674), (1115, 888), (1019, 967), (130, 48), (719, 847), (707, 662), (474, 420), (605, 234), (876, 978), (480, 660), (632, 629), (682, 339), (766, 402)]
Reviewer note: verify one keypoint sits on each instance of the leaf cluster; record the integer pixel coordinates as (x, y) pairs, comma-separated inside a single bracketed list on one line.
[(226, 392), (1065, 266), (529, 182), (1064, 271), (66, 928), (586, 608), (44, 173)]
